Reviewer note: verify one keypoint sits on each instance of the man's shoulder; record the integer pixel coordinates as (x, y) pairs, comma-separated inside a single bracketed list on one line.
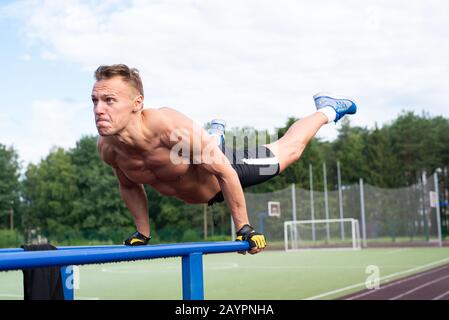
[(165, 115), (165, 119)]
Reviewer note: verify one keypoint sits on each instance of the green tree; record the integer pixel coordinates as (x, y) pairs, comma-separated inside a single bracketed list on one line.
[(9, 185), (49, 192), (98, 208), (383, 165), (419, 143), (349, 149)]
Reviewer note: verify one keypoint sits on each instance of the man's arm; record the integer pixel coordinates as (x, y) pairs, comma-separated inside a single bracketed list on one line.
[(232, 190), (135, 199), (206, 153), (179, 129), (230, 185), (132, 194)]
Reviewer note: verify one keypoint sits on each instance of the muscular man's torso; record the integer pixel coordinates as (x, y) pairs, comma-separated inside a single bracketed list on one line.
[(151, 164)]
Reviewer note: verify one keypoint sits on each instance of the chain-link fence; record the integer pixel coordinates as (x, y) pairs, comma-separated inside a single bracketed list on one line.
[(403, 216)]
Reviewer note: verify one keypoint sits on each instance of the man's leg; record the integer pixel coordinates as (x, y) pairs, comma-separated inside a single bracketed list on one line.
[(290, 147), (217, 129), (330, 108)]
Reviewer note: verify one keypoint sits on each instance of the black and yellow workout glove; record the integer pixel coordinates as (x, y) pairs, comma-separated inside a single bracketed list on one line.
[(137, 239), (255, 239)]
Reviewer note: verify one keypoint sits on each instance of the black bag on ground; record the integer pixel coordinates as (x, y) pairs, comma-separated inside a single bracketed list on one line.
[(42, 283)]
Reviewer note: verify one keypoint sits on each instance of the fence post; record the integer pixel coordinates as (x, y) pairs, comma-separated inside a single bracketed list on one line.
[(362, 212), (326, 201), (205, 221), (340, 201), (192, 277), (294, 217), (440, 238), (312, 204)]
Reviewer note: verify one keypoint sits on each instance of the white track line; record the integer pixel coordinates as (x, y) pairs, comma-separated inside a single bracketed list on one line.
[(325, 294), (418, 288), (236, 265), (397, 250), (441, 296)]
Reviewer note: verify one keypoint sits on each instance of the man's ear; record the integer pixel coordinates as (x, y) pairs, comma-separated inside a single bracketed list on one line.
[(138, 103)]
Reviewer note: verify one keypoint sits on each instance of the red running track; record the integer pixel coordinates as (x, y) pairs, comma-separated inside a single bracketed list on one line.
[(432, 284)]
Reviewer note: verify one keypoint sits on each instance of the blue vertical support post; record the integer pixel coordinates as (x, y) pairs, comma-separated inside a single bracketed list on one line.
[(68, 282), (192, 277)]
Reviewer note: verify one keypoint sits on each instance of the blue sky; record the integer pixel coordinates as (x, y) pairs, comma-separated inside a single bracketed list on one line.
[(253, 63)]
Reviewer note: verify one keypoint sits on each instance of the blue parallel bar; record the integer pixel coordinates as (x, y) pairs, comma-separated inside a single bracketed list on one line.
[(191, 253), (192, 277), (33, 259), (11, 250)]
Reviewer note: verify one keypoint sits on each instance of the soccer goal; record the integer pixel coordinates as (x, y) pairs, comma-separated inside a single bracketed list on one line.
[(322, 234)]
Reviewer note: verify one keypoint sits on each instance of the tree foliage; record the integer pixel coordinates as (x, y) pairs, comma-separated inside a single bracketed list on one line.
[(9, 184)]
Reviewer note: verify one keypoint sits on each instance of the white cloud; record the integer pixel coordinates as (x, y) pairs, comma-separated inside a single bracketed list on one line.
[(25, 57), (257, 62), (48, 55), (51, 123)]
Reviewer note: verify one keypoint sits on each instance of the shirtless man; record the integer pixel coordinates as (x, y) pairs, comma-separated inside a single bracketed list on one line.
[(166, 150)]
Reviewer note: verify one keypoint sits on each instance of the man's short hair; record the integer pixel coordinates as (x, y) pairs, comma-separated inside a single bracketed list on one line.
[(129, 75)]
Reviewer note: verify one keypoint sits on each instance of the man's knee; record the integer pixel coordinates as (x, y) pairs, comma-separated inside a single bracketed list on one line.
[(296, 152)]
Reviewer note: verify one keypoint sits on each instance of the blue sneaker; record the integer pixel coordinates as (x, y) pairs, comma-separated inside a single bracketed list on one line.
[(341, 105), (217, 128)]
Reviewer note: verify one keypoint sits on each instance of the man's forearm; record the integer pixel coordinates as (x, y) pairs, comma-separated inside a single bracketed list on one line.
[(235, 199), (136, 201)]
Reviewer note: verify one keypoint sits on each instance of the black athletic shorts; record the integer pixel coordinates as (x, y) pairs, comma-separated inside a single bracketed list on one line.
[(253, 166)]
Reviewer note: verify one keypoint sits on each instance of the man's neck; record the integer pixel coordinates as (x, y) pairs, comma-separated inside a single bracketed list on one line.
[(134, 136)]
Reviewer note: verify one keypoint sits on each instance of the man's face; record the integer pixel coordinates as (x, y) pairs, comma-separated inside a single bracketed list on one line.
[(114, 103)]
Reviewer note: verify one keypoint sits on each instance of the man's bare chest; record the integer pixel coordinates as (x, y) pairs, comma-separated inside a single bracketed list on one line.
[(155, 167)]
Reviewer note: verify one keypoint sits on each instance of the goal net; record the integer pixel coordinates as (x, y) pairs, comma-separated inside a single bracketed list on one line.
[(322, 234)]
